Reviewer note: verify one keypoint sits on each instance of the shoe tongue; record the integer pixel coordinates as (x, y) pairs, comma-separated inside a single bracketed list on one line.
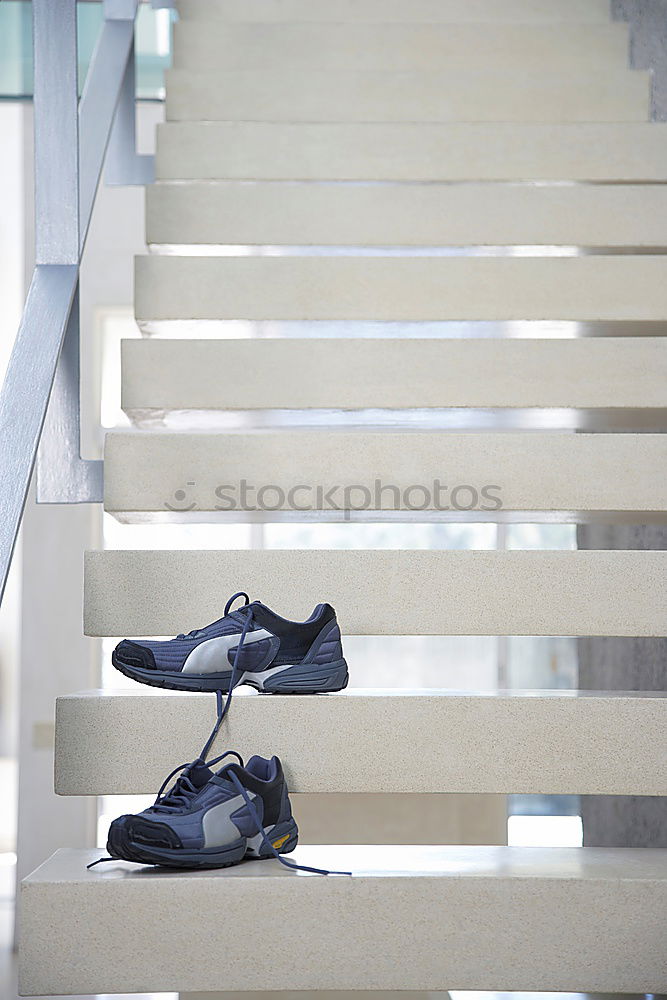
[(199, 774), (222, 775)]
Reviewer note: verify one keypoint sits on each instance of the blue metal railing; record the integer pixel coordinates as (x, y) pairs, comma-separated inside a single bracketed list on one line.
[(39, 400)]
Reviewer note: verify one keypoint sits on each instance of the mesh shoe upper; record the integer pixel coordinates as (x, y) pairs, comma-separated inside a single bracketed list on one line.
[(204, 809), (269, 639), (172, 654)]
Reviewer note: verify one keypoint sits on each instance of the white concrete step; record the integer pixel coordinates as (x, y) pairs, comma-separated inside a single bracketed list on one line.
[(400, 289), (160, 376), (206, 45), (457, 151), (563, 475), (402, 11), (378, 592), (123, 743), (398, 818), (582, 919), (306, 214), (290, 95)]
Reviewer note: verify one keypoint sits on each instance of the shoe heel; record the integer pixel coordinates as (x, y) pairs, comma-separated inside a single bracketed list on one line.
[(284, 837), (309, 678)]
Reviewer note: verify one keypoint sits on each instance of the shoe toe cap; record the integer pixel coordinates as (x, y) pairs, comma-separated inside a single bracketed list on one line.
[(126, 832), (132, 654)]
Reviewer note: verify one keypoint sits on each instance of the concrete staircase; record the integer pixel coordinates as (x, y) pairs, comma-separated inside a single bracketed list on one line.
[(486, 279)]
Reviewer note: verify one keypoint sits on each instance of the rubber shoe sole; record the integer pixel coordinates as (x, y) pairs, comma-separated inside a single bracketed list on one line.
[(120, 846), (298, 678)]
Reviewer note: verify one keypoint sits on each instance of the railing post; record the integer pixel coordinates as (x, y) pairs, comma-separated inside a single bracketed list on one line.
[(29, 378), (120, 10), (56, 132), (62, 475), (123, 164)]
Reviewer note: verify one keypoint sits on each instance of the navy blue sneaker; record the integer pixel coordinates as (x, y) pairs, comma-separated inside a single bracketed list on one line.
[(211, 819), (249, 645)]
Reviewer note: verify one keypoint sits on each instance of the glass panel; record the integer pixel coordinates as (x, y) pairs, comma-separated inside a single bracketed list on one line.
[(542, 661), (380, 536), (153, 47), (544, 805), (15, 49), (541, 536)]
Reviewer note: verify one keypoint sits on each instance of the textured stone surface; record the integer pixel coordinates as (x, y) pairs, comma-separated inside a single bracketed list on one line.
[(407, 289), (440, 215), (545, 472), (452, 11), (588, 372), (539, 742), (569, 46), (315, 995), (290, 95), (465, 918), (454, 151), (376, 592), (400, 818)]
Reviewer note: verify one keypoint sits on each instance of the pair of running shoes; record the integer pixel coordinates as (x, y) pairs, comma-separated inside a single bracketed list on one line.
[(214, 816)]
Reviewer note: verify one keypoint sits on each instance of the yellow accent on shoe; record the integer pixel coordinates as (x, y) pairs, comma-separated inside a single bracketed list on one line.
[(281, 840)]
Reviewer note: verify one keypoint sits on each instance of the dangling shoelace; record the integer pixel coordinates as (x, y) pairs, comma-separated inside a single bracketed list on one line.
[(244, 614), (223, 709)]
